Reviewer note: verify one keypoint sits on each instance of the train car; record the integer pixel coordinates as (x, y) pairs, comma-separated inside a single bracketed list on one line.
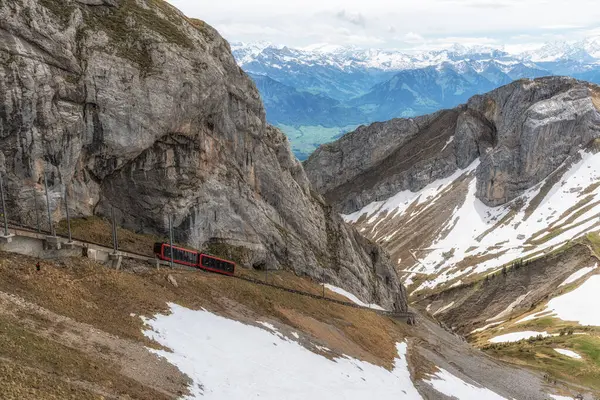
[(218, 265), (192, 258), (180, 255)]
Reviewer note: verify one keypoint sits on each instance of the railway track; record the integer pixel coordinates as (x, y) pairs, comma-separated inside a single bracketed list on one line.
[(22, 230)]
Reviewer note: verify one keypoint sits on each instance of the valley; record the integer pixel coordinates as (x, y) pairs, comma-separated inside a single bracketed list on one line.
[(510, 265), (322, 91)]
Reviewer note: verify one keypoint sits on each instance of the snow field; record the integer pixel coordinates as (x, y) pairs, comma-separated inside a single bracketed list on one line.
[(472, 219), (448, 384), (579, 305), (227, 359)]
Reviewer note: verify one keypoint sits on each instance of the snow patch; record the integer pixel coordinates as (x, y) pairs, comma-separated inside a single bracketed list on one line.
[(483, 328), (579, 304), (516, 336), (579, 274), (227, 359), (533, 316), (268, 326), (510, 308), (448, 142), (352, 297), (568, 353), (448, 384), (441, 310)]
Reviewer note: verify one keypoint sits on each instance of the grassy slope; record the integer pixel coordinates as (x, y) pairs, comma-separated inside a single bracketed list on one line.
[(109, 303), (539, 354), (306, 139), (105, 299)]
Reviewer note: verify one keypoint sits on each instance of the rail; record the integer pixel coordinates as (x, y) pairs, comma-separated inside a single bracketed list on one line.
[(408, 315)]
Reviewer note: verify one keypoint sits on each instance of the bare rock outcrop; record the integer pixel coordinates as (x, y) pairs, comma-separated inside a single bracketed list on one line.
[(129, 104), (520, 132)]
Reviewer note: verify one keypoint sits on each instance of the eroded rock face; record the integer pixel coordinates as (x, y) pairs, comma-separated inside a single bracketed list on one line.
[(520, 132), (129, 104)]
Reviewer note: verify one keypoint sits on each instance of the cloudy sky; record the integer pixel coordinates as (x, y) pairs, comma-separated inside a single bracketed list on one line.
[(400, 24)]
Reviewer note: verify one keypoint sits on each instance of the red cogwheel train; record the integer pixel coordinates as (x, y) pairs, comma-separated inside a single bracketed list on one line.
[(194, 259)]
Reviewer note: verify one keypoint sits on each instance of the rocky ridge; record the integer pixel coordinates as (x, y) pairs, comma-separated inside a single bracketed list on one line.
[(520, 132), (129, 104)]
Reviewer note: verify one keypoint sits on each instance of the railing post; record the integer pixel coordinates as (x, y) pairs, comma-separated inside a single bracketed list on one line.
[(50, 225), (171, 238), (68, 216), (37, 210), (3, 206), (114, 229)]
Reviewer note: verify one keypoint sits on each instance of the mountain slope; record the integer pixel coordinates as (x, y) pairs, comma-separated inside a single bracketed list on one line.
[(490, 212), (422, 91), (289, 106), (142, 110), (217, 328), (458, 194)]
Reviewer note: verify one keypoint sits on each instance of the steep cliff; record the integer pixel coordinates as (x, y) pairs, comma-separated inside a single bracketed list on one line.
[(521, 133), (129, 104)]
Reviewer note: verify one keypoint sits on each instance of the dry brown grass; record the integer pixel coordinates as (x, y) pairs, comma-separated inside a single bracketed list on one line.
[(98, 230), (472, 261), (590, 188), (104, 298), (18, 382), (596, 97), (61, 371)]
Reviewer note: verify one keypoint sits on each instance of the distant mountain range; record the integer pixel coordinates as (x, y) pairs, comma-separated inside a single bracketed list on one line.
[(316, 93)]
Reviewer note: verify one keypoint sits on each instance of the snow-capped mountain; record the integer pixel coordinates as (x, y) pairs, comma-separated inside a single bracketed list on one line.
[(314, 88), (585, 51), (349, 58)]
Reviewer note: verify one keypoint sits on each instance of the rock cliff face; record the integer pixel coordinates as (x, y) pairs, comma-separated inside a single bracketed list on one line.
[(520, 132), (129, 104)]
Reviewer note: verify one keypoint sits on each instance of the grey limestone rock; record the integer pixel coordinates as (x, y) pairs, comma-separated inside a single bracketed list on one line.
[(129, 104), (521, 133)]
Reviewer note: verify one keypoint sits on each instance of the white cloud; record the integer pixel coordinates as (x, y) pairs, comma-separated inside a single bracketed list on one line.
[(404, 24), (412, 37), (353, 18)]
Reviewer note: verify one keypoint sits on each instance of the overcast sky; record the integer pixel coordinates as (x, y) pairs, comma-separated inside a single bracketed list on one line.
[(400, 24)]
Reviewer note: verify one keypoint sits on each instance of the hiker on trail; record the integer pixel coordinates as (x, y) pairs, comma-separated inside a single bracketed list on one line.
[(37, 266)]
